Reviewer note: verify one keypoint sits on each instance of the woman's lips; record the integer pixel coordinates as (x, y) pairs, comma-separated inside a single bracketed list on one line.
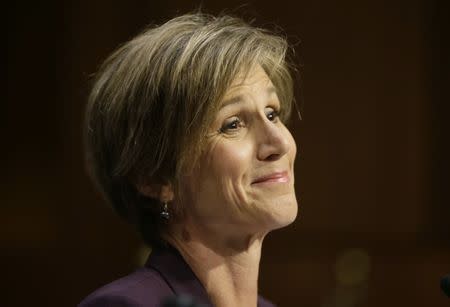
[(274, 177)]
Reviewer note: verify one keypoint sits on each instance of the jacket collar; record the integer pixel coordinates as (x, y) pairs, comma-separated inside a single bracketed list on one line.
[(179, 276), (177, 273)]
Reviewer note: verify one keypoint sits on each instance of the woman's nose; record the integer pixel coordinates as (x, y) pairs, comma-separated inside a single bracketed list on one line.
[(273, 142)]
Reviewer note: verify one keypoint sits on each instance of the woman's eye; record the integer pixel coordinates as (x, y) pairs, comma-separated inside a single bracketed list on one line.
[(272, 114), (232, 124)]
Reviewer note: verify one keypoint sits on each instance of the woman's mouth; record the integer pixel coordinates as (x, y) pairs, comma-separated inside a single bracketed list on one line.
[(276, 177)]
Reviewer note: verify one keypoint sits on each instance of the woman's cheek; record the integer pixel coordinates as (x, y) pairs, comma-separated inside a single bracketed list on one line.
[(292, 145), (232, 160)]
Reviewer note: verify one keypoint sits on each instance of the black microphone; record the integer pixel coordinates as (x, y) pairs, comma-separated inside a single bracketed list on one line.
[(445, 285)]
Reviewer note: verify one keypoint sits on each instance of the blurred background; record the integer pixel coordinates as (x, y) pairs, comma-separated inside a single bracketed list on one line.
[(372, 173)]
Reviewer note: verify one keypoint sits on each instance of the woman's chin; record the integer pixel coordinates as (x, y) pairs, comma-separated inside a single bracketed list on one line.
[(282, 215), (287, 218)]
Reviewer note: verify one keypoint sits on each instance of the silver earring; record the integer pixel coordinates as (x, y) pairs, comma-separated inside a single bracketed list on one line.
[(165, 212)]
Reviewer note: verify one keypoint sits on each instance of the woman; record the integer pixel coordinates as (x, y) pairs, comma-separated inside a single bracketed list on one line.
[(185, 138)]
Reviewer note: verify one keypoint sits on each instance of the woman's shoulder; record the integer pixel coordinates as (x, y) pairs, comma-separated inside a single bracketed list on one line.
[(144, 287)]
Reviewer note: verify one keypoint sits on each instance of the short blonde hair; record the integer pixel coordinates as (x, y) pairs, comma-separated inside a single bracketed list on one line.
[(154, 99)]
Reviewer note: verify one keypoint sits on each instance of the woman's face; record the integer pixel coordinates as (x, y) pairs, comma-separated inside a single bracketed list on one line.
[(244, 182)]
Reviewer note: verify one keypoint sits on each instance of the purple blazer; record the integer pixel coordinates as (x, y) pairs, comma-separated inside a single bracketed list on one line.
[(164, 275)]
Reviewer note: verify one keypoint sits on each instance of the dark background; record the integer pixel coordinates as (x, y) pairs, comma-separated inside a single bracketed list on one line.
[(372, 172)]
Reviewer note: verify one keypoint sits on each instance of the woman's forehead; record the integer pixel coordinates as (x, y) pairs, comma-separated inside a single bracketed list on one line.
[(255, 78), (250, 76)]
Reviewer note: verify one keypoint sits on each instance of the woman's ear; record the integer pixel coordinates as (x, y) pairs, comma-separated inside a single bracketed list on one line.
[(163, 192), (166, 195)]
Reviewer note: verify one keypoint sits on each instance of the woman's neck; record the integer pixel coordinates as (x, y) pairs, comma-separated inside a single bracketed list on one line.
[(227, 268)]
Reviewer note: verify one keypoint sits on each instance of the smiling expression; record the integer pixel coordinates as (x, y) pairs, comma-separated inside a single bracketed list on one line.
[(244, 182)]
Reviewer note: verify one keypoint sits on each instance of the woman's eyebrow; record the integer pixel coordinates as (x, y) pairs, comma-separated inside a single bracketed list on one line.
[(232, 100), (270, 90)]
